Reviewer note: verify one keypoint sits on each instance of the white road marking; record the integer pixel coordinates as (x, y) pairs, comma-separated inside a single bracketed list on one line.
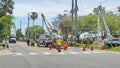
[(73, 52), (46, 53), (33, 54), (95, 52), (61, 53), (86, 52), (18, 54)]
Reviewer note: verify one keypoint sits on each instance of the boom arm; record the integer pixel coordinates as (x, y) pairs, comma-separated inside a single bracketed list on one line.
[(104, 21), (49, 25)]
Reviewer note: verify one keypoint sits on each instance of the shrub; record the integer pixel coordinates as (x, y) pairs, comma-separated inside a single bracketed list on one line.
[(87, 41)]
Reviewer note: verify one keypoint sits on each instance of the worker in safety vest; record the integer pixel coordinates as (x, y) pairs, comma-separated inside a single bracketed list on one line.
[(54, 42), (59, 44)]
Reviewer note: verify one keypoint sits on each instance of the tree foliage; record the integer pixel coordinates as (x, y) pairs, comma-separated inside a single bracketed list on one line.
[(88, 23), (34, 15), (38, 30), (6, 6), (6, 23), (19, 34)]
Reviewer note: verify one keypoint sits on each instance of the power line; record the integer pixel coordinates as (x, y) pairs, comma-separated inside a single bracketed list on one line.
[(52, 3), (96, 4), (112, 10)]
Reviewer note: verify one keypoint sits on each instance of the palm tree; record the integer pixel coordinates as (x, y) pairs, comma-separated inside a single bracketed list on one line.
[(6, 6), (34, 16)]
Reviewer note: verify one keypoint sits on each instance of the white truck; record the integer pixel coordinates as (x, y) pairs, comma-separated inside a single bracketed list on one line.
[(12, 38), (44, 40)]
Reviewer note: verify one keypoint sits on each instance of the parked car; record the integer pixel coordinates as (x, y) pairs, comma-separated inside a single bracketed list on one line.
[(113, 42)]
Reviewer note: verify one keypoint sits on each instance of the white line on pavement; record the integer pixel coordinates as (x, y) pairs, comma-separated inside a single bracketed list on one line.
[(61, 53), (18, 54), (46, 53), (86, 52), (33, 54), (95, 52), (73, 52)]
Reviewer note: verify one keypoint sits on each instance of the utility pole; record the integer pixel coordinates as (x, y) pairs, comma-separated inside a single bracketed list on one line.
[(28, 34), (72, 13), (76, 10), (20, 29)]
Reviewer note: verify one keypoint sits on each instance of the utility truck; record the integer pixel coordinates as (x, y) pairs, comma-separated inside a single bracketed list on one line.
[(12, 38)]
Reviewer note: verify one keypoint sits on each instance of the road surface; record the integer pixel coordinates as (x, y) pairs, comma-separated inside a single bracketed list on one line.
[(27, 57)]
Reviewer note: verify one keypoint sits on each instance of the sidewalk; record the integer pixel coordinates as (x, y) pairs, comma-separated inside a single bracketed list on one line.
[(5, 51)]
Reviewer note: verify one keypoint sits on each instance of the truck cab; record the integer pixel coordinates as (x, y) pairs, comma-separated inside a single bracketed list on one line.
[(12, 38)]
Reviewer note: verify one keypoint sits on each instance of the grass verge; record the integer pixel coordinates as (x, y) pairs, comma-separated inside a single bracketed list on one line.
[(113, 49), (0, 46)]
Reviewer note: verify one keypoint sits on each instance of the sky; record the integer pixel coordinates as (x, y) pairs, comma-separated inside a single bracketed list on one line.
[(51, 8)]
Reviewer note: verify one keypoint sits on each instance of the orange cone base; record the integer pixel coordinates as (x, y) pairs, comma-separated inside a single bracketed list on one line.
[(92, 48), (65, 48), (103, 47), (83, 48), (50, 47)]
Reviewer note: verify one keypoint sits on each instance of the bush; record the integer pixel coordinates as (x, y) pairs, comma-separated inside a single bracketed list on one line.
[(81, 45), (0, 44), (87, 41)]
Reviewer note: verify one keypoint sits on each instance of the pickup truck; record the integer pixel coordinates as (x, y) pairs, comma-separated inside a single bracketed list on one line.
[(43, 40), (113, 42)]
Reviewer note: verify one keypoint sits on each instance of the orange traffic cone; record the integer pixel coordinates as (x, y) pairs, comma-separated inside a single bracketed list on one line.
[(65, 48), (57, 48), (92, 48), (50, 47), (83, 48), (7, 46), (103, 47), (38, 44)]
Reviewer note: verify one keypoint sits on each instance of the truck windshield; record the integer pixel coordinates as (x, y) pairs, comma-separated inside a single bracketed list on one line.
[(12, 36), (115, 39)]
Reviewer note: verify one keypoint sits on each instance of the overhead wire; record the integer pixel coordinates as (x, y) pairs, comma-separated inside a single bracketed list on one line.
[(96, 4), (112, 10), (51, 4)]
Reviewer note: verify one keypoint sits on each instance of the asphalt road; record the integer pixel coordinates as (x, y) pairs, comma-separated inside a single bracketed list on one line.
[(27, 58)]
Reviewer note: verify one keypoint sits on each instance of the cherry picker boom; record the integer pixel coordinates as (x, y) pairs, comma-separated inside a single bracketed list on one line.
[(49, 25), (100, 11), (53, 31)]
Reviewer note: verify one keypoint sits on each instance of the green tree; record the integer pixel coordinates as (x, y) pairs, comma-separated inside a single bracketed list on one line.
[(88, 23), (6, 6), (6, 23), (19, 34), (95, 11), (38, 30), (34, 16)]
